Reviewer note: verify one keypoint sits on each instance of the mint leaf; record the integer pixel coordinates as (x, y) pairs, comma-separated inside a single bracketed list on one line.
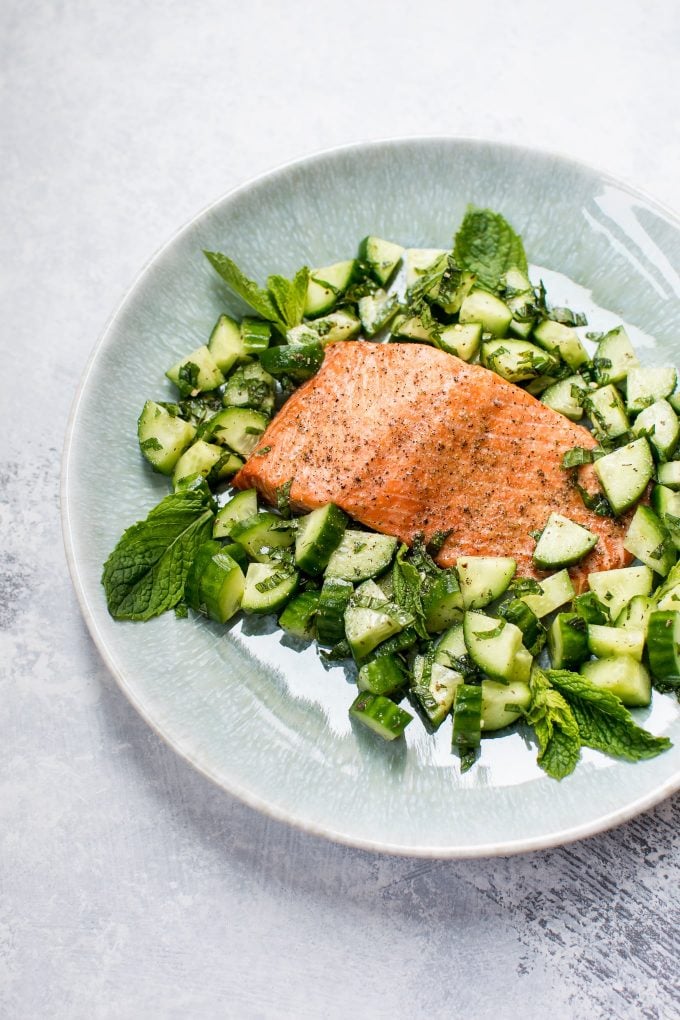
[(258, 298), (487, 246), (146, 572), (555, 727), (604, 722), (408, 587), (289, 296)]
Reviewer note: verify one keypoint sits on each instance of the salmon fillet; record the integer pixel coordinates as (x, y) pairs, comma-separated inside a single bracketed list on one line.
[(407, 439)]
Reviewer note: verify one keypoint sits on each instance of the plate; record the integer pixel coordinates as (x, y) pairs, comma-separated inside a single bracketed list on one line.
[(262, 719)]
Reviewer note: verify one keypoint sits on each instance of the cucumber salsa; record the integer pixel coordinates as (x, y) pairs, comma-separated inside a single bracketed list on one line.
[(472, 646)]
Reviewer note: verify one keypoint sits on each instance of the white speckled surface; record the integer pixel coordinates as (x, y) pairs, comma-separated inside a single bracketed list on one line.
[(129, 886)]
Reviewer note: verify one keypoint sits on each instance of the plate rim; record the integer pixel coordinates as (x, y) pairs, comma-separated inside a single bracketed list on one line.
[(512, 847)]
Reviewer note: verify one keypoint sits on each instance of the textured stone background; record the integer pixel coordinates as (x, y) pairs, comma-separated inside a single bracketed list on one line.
[(129, 887)]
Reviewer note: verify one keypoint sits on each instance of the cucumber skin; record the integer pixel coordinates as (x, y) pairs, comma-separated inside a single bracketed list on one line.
[(314, 559), (380, 715), (662, 647), (330, 617), (298, 616)]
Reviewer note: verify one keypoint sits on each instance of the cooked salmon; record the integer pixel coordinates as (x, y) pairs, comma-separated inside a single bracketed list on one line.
[(407, 439)]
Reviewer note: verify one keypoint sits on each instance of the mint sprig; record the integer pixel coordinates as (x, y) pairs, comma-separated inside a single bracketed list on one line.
[(487, 246), (146, 572)]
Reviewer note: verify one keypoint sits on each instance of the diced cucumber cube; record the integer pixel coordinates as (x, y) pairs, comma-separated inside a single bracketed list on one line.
[(268, 588), (163, 436), (518, 360), (614, 357), (499, 701), (462, 339), (555, 591), (262, 533), (566, 397), (382, 257), (361, 554), (419, 261), (659, 423), (625, 474), (226, 344), (484, 578), (239, 428), (380, 715), (561, 340), (605, 642), (663, 644), (481, 307), (377, 310), (250, 386), (649, 541), (433, 691), (615, 588), (621, 675), (384, 675), (196, 373), (607, 412), (327, 330), (568, 641), (669, 474), (492, 644), (326, 286), (240, 506), (562, 543), (647, 384)]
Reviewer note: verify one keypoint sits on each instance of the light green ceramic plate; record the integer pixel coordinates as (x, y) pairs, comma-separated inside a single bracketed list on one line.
[(262, 719)]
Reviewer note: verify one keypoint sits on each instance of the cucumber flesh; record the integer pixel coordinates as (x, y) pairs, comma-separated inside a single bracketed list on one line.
[(605, 642), (614, 357), (649, 541), (200, 458), (255, 335), (380, 715), (268, 588), (240, 506), (636, 614), (555, 591), (196, 373), (433, 695), (647, 384), (420, 261), (533, 632), (498, 701), (669, 474), (659, 423), (318, 535), (451, 646), (562, 543), (492, 644), (326, 286), (163, 437), (360, 555), (377, 310), (566, 397), (327, 330), (463, 339), (615, 588), (625, 474), (367, 626), (607, 412), (484, 578), (239, 428), (382, 257), (260, 534), (490, 312), (561, 340), (622, 676), (250, 386)]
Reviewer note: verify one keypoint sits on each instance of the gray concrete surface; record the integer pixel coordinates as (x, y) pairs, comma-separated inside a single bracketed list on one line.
[(129, 887)]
